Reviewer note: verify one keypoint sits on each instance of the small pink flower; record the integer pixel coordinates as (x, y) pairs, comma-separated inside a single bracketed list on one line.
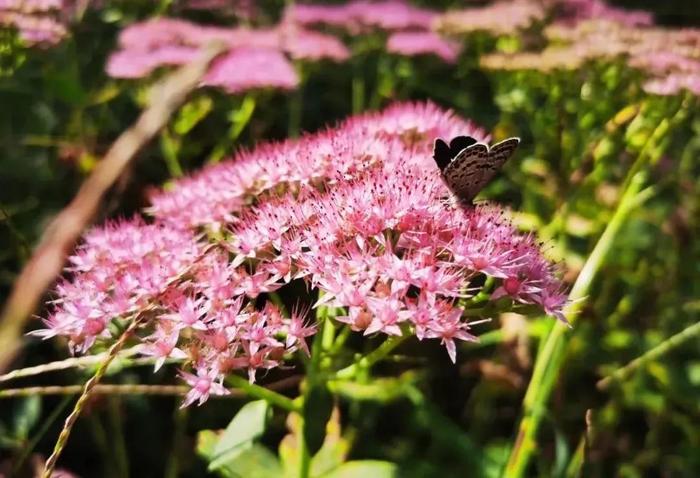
[(449, 328), (162, 345), (203, 384)]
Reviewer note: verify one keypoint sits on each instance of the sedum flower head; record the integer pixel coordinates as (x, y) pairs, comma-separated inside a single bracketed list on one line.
[(499, 18), (357, 212), (38, 22), (257, 58), (423, 43), (362, 15)]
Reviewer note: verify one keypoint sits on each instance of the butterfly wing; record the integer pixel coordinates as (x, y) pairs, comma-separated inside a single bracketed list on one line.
[(463, 174), (501, 152), (459, 143), (442, 154), (474, 167)]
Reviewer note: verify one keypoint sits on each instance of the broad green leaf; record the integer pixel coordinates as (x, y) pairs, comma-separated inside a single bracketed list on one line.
[(246, 426), (254, 462), (331, 455), (289, 446), (364, 468), (335, 448)]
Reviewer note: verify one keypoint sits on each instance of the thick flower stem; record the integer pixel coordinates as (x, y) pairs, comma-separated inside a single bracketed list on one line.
[(551, 355), (296, 106), (373, 357), (323, 343), (263, 393)]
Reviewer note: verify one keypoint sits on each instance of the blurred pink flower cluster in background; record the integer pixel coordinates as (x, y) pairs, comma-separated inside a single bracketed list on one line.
[(258, 58), (38, 22), (590, 30), (409, 28), (499, 18), (357, 212)]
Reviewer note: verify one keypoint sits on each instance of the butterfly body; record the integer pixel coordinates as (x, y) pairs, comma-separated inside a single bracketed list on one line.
[(467, 165)]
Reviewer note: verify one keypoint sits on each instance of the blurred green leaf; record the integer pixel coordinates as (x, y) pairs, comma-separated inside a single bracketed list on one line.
[(191, 114), (363, 469), (693, 369), (253, 462), (26, 416), (246, 426)]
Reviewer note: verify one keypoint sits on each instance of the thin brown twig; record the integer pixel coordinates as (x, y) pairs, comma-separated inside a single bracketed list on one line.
[(87, 390), (63, 232), (64, 364), (137, 389)]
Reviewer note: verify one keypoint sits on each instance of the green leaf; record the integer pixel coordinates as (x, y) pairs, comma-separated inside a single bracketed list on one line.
[(191, 114), (27, 416), (363, 468), (206, 443), (104, 94), (318, 407), (332, 454), (246, 426), (254, 462), (239, 118), (335, 448)]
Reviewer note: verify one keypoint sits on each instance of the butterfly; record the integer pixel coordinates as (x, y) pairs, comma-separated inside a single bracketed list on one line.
[(467, 165)]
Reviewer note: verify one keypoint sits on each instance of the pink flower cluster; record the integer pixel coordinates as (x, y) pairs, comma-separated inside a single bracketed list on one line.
[(362, 15), (574, 11), (670, 58), (423, 43), (258, 58), (357, 212), (38, 22), (500, 18), (409, 27)]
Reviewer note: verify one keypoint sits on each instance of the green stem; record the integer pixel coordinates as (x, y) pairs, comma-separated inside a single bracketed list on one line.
[(650, 151), (323, 341), (263, 393), (373, 357), (656, 352), (358, 93), (304, 456), (180, 421), (296, 103), (550, 357), (239, 119), (117, 442), (170, 147)]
